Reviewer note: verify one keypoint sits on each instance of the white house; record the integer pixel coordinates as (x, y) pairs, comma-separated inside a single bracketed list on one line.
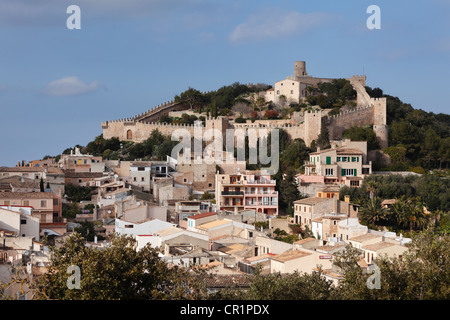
[(20, 222), (146, 227), (158, 238)]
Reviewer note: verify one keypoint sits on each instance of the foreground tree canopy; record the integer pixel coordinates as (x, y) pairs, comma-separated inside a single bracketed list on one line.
[(121, 272), (114, 272)]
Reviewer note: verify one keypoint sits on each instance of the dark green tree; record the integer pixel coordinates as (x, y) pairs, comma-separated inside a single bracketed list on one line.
[(117, 272)]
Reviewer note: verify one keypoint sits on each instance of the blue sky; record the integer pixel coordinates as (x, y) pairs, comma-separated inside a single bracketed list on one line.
[(57, 85)]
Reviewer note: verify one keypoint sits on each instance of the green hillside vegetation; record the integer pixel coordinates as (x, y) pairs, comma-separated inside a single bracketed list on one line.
[(417, 139)]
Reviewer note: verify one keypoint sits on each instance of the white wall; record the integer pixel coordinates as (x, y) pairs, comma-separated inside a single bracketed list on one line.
[(148, 227)]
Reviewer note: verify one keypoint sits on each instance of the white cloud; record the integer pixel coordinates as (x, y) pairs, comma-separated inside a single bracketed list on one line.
[(275, 23), (70, 86)]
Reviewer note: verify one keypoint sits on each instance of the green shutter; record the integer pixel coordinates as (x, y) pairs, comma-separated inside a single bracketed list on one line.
[(328, 160), (354, 171), (343, 172)]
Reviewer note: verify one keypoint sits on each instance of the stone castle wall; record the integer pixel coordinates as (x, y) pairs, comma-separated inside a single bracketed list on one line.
[(369, 111), (358, 117), (139, 131)]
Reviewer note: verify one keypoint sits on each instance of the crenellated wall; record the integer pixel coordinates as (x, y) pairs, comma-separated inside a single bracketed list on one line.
[(369, 111), (358, 117)]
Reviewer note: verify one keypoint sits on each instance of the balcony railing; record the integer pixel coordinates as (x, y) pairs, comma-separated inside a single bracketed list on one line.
[(273, 203), (232, 193), (262, 182), (260, 192)]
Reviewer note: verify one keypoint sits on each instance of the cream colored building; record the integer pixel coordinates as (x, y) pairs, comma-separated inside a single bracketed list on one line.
[(347, 165), (294, 87), (382, 248), (364, 240), (301, 260)]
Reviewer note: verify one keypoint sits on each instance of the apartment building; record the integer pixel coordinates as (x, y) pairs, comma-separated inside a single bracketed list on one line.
[(248, 190), (343, 165), (312, 208)]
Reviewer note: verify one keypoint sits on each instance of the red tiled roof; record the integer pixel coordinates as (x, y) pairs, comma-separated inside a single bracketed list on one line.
[(202, 215)]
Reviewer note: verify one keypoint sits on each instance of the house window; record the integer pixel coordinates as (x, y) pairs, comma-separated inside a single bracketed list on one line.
[(43, 203), (329, 172), (142, 179), (26, 203), (354, 183), (141, 168), (134, 179), (23, 221), (348, 172), (129, 226)]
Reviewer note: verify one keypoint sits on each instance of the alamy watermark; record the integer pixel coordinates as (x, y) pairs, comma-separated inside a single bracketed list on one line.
[(374, 281), (233, 140), (74, 280), (374, 21), (74, 20)]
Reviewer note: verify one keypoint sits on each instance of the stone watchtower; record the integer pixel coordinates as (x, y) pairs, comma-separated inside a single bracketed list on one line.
[(300, 69), (379, 121)]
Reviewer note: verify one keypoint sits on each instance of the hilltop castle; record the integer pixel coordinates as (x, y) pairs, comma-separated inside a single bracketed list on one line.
[(307, 125)]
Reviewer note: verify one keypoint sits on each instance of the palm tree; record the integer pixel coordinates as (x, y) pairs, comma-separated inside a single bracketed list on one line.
[(373, 212), (410, 212), (371, 187)]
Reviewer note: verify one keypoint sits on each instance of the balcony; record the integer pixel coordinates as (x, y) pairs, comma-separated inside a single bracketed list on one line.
[(261, 204), (255, 193), (262, 182), (232, 193)]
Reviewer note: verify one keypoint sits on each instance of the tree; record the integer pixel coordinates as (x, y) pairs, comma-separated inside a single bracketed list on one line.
[(77, 193), (363, 134), (371, 187), (289, 191), (41, 185), (323, 140), (282, 101), (294, 286), (191, 97), (271, 114), (353, 286), (412, 214), (116, 272), (86, 230), (422, 273), (373, 213)]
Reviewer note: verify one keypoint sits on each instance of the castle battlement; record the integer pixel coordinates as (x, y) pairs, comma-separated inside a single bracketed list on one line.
[(346, 112), (369, 111)]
